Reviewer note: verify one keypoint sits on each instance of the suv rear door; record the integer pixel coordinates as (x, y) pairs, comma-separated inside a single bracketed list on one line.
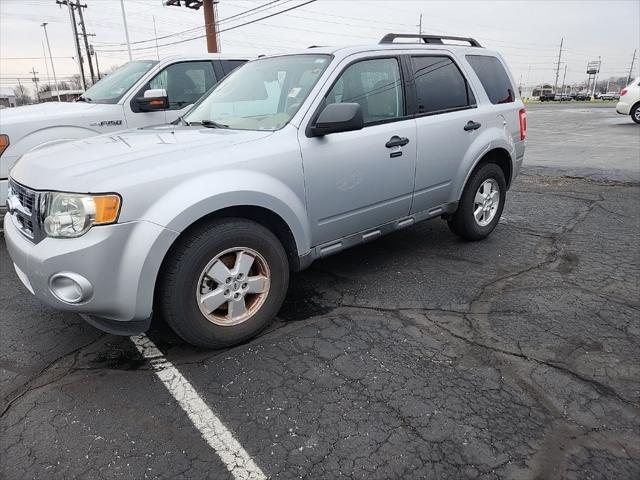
[(447, 121), (353, 181)]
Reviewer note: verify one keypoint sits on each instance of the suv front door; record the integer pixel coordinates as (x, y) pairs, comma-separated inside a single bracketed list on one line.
[(353, 181)]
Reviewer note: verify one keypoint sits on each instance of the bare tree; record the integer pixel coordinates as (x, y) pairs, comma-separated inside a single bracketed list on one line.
[(22, 96)]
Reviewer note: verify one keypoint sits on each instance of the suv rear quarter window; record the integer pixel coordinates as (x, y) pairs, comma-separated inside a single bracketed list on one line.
[(493, 77), (440, 86)]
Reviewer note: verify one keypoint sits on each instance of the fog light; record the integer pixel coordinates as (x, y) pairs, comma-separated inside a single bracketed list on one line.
[(70, 287)]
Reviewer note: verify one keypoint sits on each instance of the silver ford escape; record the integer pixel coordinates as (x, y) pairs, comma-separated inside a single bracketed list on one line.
[(289, 159)]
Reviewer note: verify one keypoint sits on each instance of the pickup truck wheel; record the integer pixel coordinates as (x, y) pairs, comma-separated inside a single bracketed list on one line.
[(635, 113), (223, 283), (481, 203)]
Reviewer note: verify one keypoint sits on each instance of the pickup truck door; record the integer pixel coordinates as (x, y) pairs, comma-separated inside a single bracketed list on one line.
[(361, 179), (185, 82)]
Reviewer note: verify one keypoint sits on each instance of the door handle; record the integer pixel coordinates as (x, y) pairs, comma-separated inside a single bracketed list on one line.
[(471, 125), (396, 141)]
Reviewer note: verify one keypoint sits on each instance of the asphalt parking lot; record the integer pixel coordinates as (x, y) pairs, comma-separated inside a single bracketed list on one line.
[(415, 356)]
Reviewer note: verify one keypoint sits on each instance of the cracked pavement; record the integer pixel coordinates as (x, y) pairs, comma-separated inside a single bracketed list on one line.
[(415, 356)]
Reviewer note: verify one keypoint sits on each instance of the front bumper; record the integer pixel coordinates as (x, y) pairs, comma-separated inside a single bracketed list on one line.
[(120, 262)]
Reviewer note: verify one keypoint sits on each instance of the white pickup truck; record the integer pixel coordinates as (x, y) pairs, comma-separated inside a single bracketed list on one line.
[(140, 93)]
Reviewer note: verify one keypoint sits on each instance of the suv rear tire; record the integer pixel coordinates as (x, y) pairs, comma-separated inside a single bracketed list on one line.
[(223, 283), (481, 203)]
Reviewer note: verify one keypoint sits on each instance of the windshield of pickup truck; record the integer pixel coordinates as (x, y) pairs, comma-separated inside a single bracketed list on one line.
[(261, 95), (111, 88)]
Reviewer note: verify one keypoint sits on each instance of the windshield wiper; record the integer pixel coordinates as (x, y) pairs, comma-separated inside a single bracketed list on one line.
[(180, 120), (212, 124), (83, 99)]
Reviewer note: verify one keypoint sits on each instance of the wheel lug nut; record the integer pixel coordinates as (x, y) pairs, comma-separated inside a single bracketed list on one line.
[(244, 286), (228, 280)]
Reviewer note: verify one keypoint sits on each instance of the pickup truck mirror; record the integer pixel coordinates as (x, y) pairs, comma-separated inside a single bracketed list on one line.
[(338, 117), (154, 99)]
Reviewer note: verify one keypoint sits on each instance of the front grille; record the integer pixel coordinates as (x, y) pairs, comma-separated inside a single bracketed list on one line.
[(22, 203)]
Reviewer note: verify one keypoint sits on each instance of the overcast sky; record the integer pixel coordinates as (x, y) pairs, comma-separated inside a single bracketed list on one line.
[(527, 33)]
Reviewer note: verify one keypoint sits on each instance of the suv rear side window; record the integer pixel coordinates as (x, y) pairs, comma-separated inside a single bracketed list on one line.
[(376, 85), (440, 86), (493, 77)]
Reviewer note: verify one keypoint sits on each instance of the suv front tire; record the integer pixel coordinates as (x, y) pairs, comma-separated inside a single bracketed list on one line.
[(223, 282)]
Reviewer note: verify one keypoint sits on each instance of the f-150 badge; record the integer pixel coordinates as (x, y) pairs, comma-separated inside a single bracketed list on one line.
[(106, 123)]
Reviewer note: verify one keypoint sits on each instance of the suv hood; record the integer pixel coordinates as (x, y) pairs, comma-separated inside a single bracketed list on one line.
[(103, 162)]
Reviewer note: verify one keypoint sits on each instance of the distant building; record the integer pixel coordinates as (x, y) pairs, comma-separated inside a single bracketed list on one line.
[(7, 97), (541, 90), (65, 95)]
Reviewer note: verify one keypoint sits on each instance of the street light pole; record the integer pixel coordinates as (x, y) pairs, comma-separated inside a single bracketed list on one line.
[(53, 68), (126, 29)]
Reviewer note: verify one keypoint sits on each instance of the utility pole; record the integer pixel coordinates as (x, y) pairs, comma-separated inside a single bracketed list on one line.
[(210, 26), (44, 26), (210, 22), (86, 42), (46, 66), (126, 29), (155, 33), (74, 29), (555, 87), (95, 53), (633, 60), (563, 79), (35, 80)]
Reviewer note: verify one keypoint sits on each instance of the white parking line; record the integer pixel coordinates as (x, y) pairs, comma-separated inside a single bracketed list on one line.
[(219, 437)]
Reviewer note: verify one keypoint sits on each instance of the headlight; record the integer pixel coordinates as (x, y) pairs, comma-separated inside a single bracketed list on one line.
[(72, 215)]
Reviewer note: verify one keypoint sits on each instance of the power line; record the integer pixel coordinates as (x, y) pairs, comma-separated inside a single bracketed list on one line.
[(221, 31), (226, 19)]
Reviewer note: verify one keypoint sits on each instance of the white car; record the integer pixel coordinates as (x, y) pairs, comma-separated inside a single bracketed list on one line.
[(138, 94), (629, 103)]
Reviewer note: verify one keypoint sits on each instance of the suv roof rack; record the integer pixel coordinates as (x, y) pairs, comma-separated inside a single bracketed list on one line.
[(432, 39)]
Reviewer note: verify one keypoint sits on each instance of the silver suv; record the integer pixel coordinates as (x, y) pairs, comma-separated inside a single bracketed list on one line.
[(291, 158)]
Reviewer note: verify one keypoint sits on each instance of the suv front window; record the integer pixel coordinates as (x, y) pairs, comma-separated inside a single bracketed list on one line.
[(376, 85), (261, 95), (111, 88)]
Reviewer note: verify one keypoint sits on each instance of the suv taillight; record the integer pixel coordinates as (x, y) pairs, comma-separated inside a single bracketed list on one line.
[(523, 123), (623, 92)]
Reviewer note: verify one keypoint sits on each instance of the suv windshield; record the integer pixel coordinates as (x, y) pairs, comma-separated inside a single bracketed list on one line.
[(112, 87), (260, 95)]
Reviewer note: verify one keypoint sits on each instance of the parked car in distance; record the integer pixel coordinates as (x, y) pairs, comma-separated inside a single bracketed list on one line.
[(582, 96), (629, 103), (291, 158), (138, 94), (609, 96), (547, 97), (562, 98)]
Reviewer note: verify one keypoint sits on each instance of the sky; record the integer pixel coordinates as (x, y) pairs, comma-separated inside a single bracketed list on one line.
[(527, 33)]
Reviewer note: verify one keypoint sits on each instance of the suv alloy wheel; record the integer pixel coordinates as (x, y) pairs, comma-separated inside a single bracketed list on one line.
[(223, 282), (481, 203)]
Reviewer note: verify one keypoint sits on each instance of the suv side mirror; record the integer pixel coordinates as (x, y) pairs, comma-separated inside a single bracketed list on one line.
[(338, 117), (153, 100)]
